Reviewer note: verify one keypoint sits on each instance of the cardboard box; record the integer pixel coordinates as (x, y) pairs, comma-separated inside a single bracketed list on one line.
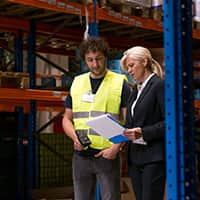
[(14, 80)]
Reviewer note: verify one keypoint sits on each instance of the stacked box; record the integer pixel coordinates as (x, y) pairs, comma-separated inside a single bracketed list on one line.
[(133, 3), (55, 166), (126, 9), (157, 12), (143, 3), (14, 80), (48, 82)]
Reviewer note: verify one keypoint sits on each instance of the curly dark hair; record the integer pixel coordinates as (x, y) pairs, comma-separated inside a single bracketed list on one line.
[(93, 44)]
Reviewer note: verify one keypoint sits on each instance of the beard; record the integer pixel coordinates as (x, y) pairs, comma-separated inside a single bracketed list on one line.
[(99, 72)]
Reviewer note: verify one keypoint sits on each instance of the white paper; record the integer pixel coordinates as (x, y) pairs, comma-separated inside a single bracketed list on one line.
[(107, 127), (140, 141)]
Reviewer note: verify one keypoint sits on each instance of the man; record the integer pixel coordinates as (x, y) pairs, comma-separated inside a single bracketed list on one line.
[(100, 91)]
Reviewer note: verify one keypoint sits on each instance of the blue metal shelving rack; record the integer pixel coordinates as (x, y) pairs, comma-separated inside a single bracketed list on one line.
[(180, 157)]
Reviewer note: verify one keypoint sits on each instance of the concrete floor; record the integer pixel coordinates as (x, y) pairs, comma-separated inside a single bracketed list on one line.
[(64, 193)]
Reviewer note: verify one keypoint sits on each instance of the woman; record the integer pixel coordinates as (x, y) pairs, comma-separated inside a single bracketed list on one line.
[(145, 124)]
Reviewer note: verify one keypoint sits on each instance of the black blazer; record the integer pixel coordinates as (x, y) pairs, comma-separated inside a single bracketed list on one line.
[(149, 115)]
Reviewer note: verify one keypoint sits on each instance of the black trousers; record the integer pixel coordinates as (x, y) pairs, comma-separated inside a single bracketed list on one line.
[(148, 180)]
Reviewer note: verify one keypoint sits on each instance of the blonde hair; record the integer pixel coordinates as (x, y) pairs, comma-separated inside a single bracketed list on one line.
[(141, 53)]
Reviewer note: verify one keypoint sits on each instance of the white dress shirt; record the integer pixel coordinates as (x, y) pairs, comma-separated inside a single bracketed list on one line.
[(140, 88)]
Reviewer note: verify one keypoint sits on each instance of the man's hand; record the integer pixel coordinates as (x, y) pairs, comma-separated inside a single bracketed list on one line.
[(77, 145), (110, 153)]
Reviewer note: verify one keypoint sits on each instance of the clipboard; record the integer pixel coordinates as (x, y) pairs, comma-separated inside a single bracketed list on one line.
[(106, 126)]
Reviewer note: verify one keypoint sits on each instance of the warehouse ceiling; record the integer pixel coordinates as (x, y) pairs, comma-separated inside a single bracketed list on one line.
[(58, 32)]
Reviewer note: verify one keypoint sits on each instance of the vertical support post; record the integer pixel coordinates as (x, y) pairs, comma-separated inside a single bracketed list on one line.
[(179, 107), (189, 137), (1, 54), (20, 154), (18, 52), (2, 58), (31, 54), (93, 30), (174, 100), (31, 149), (33, 108), (93, 26), (98, 195)]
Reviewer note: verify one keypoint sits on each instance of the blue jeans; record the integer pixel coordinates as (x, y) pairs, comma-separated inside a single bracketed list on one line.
[(87, 171)]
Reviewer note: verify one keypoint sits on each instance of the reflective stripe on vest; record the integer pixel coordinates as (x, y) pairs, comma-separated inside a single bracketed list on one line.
[(92, 114)]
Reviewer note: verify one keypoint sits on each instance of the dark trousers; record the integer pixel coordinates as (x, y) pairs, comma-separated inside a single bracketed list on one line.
[(148, 180), (89, 171)]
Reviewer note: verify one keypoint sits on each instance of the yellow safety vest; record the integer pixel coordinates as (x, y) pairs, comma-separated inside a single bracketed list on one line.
[(106, 100)]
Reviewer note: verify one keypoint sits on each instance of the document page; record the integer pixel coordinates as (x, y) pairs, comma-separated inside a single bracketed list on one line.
[(108, 127)]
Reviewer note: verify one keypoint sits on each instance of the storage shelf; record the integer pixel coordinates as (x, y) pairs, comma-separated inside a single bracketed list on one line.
[(101, 14), (57, 5), (197, 104), (46, 100), (196, 33), (145, 23)]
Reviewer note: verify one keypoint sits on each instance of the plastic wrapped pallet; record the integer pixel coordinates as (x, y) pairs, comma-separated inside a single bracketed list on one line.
[(196, 14), (134, 3), (157, 10), (126, 9), (133, 7), (87, 2)]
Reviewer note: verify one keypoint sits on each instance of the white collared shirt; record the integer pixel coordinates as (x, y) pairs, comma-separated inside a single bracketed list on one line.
[(140, 88)]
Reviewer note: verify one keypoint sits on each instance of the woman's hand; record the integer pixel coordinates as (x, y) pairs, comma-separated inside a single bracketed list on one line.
[(133, 133)]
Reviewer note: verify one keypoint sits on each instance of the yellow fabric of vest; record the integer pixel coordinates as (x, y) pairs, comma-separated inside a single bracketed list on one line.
[(106, 100)]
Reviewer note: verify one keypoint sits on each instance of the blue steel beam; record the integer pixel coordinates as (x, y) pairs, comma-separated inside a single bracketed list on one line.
[(20, 154), (180, 157), (19, 52), (1, 53), (173, 100), (31, 178), (93, 26), (31, 54), (189, 137), (93, 31), (31, 149)]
